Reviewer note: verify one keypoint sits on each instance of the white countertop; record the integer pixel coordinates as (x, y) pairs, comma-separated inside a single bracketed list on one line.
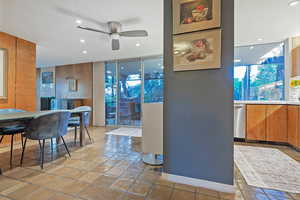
[(269, 102)]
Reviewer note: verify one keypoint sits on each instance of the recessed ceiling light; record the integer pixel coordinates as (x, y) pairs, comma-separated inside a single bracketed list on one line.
[(260, 39), (137, 44), (252, 47), (294, 3), (78, 21), (84, 51), (237, 60), (82, 41)]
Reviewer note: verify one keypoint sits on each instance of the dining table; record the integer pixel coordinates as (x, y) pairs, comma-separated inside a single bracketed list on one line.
[(11, 118)]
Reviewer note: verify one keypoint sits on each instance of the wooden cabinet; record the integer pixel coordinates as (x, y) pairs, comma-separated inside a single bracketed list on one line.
[(296, 61), (266, 123), (293, 125), (276, 123), (256, 122)]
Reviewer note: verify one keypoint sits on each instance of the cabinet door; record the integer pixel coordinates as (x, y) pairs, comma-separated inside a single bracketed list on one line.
[(296, 62), (293, 125), (277, 123), (256, 123)]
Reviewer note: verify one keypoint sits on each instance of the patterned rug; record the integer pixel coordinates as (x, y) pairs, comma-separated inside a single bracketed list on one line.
[(268, 168), (132, 132)]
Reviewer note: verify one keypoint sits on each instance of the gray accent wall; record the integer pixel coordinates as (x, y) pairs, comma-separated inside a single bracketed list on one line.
[(198, 110)]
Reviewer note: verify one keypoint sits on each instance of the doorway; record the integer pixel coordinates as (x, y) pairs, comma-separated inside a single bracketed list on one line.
[(128, 84)]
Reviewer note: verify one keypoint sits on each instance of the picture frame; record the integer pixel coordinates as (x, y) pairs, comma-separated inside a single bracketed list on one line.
[(47, 77), (72, 85), (3, 73), (196, 15), (197, 51)]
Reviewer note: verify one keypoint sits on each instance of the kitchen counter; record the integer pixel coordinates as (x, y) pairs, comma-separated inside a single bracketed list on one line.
[(269, 102)]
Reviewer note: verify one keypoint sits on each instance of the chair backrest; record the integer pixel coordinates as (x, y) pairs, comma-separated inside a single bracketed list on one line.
[(10, 110), (86, 115), (48, 125)]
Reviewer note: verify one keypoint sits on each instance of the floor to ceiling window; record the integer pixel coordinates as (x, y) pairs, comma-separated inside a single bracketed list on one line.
[(259, 72), (129, 98), (128, 84), (110, 93)]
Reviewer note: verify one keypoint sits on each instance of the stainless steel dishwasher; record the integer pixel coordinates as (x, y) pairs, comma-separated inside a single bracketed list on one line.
[(239, 120)]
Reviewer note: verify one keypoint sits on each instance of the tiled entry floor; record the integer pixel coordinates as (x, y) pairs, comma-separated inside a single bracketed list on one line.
[(109, 169)]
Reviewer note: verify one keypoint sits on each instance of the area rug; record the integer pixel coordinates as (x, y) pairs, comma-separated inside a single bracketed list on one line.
[(268, 168), (132, 132)]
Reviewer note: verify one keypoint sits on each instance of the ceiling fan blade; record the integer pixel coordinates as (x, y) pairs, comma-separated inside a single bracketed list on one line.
[(92, 29), (71, 13), (115, 44), (136, 33)]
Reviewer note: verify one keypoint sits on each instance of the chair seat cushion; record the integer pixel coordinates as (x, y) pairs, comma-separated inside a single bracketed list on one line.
[(9, 130)]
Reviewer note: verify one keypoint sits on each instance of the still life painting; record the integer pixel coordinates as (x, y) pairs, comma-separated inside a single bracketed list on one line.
[(47, 77), (199, 50), (195, 15)]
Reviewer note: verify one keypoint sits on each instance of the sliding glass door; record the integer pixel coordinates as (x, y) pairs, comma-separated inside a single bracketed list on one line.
[(110, 93), (129, 98), (128, 84)]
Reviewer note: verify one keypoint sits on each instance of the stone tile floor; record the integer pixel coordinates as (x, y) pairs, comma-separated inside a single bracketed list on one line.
[(108, 169)]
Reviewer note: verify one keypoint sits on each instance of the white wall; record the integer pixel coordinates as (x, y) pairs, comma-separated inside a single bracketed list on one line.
[(1, 14), (98, 94)]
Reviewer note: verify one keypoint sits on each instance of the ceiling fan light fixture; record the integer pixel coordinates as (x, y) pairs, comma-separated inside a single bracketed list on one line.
[(78, 21)]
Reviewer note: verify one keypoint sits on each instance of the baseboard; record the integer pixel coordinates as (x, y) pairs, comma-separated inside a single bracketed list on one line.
[(199, 183)]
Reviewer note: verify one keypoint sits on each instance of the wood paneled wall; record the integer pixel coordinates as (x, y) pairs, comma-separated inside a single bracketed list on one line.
[(10, 43), (26, 75), (83, 73), (21, 75)]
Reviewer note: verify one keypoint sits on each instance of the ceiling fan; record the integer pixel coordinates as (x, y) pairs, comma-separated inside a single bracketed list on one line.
[(115, 33)]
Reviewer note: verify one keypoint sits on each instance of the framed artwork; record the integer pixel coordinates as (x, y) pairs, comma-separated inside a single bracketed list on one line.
[(47, 77), (196, 15), (196, 51), (72, 85), (3, 73)]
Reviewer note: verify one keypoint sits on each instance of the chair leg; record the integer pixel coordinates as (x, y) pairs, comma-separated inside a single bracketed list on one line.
[(65, 145), (11, 149), (1, 138), (43, 152), (23, 150), (87, 130), (22, 140), (75, 137), (40, 146), (51, 144)]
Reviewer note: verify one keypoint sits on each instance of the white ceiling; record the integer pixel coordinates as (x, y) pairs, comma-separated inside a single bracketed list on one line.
[(270, 20), (58, 38)]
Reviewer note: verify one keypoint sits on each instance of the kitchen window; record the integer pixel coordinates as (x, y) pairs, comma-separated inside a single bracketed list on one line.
[(259, 72)]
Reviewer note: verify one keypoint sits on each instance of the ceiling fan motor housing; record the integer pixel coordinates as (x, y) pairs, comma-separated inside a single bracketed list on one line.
[(114, 27)]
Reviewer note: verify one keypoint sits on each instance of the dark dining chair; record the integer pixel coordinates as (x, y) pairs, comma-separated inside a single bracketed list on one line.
[(47, 125), (11, 129), (75, 121)]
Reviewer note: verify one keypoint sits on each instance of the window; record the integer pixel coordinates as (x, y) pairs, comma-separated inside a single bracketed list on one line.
[(110, 93), (259, 72), (153, 80), (128, 84)]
